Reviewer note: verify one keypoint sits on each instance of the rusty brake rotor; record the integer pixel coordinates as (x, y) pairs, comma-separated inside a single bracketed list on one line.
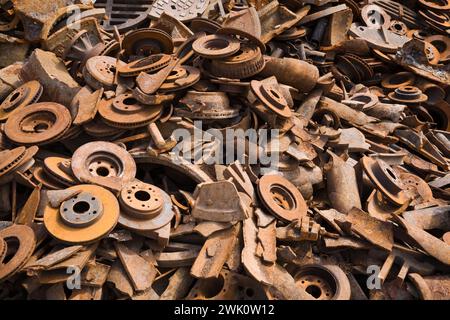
[(145, 207), (26, 242), (84, 218), (181, 77), (149, 64), (39, 123), (216, 46), (52, 166), (145, 42), (408, 94), (103, 163), (125, 111), (100, 71), (26, 94), (281, 197), (271, 97)]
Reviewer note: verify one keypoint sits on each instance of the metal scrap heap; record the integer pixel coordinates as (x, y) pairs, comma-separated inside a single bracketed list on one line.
[(224, 149)]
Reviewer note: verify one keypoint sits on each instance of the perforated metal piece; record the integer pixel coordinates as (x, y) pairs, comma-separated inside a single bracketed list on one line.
[(181, 10)]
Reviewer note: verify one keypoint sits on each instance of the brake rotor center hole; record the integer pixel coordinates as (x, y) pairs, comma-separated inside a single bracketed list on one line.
[(142, 195), (216, 44), (129, 101), (39, 127), (102, 171), (314, 290), (81, 207), (15, 96)]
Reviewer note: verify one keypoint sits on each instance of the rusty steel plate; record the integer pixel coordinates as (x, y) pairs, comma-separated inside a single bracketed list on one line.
[(271, 97), (126, 112), (216, 46), (247, 62), (281, 197), (145, 207), (181, 10), (123, 14), (181, 77), (94, 227), (103, 163), (100, 71), (145, 42), (23, 96), (149, 64), (25, 240), (39, 123), (52, 167), (385, 180)]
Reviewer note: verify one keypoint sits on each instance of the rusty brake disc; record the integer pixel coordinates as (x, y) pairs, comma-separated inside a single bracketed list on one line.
[(103, 163), (216, 46), (39, 123), (281, 197), (24, 236), (385, 179), (145, 207), (206, 105), (181, 77), (149, 64), (52, 168), (271, 97), (84, 218), (46, 180), (26, 94), (408, 94), (9, 159), (100, 71), (246, 62), (145, 42), (125, 111)]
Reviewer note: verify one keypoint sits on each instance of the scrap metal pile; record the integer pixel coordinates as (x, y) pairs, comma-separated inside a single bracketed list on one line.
[(114, 186)]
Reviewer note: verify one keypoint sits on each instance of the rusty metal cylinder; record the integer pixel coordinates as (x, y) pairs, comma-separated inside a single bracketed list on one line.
[(293, 72)]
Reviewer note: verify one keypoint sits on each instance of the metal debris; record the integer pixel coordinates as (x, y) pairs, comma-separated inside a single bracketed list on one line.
[(224, 150)]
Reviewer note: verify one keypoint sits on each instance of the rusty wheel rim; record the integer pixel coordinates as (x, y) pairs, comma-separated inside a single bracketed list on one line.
[(126, 112), (145, 207), (23, 96), (39, 123), (281, 197), (97, 225), (27, 242), (103, 163)]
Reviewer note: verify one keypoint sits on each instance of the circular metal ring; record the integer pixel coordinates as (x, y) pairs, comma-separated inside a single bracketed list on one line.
[(103, 163), (216, 46), (146, 207), (96, 229), (39, 123), (281, 197), (26, 239), (23, 96)]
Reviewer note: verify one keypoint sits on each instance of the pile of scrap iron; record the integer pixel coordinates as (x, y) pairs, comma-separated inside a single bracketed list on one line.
[(224, 149)]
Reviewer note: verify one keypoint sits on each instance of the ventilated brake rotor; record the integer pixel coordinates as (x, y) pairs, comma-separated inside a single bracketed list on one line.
[(103, 163), (145, 207), (84, 218), (281, 197), (52, 167), (25, 239), (149, 64), (10, 158), (145, 42), (26, 94), (125, 111), (39, 123)]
